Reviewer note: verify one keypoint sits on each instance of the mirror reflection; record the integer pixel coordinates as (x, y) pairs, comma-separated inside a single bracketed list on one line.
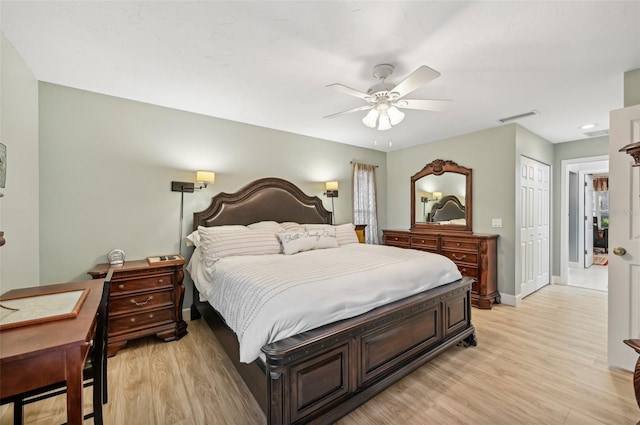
[(441, 199)]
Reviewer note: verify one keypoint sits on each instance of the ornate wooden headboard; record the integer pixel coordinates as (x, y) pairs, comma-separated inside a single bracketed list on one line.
[(261, 200), (448, 208)]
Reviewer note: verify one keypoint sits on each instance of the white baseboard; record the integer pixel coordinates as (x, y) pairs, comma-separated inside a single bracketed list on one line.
[(186, 314), (512, 300)]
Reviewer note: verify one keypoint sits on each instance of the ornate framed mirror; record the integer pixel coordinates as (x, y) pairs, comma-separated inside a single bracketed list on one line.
[(441, 197)]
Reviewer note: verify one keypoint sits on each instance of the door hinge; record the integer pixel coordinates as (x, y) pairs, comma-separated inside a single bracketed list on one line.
[(585, 252)]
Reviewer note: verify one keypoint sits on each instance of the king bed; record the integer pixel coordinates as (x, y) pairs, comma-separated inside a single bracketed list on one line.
[(321, 359)]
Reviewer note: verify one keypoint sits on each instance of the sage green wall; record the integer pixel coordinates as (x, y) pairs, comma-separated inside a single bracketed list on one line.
[(583, 148), (19, 258), (490, 154), (632, 88), (106, 165)]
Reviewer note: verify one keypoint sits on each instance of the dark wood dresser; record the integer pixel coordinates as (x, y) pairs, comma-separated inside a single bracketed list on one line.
[(474, 254), (146, 299)]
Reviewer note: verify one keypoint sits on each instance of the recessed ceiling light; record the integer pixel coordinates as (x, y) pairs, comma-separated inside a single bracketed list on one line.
[(588, 126)]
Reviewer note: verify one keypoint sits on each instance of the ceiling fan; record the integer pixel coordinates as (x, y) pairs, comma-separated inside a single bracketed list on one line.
[(384, 100)]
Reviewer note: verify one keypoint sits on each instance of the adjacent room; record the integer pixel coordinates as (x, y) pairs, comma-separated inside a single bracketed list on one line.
[(283, 212)]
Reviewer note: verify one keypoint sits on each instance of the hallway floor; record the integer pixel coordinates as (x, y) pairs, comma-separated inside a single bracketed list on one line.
[(594, 277)]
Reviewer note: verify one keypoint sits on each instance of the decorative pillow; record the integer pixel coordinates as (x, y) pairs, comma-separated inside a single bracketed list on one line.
[(270, 225), (324, 238), (220, 243), (294, 242), (290, 226), (346, 234)]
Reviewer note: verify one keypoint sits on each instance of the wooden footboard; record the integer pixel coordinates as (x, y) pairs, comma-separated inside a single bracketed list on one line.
[(320, 376)]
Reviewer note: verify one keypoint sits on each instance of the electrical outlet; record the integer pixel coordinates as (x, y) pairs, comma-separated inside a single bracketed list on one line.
[(496, 222)]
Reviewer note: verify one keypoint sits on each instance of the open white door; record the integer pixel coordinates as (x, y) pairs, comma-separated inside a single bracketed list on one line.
[(588, 220), (624, 233)]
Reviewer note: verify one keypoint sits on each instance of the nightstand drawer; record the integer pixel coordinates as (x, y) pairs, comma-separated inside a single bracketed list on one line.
[(459, 244), (139, 320), (462, 257), (154, 282), (424, 243), (136, 302)]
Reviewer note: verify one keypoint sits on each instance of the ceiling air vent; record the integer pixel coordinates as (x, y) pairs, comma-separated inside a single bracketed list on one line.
[(597, 133), (515, 117)]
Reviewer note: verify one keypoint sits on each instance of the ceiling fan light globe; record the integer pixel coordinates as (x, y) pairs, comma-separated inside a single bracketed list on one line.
[(370, 119), (395, 115), (383, 122)]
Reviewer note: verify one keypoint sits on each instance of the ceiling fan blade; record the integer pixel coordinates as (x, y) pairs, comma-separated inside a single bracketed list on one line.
[(350, 91), (423, 105), (417, 79), (361, 108)]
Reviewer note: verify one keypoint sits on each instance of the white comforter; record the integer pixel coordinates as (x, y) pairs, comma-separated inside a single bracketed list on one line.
[(266, 298)]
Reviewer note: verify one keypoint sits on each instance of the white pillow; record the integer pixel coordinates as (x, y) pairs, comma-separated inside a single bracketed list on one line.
[(309, 227), (346, 234), (220, 243), (290, 226), (294, 242), (324, 238), (271, 225), (193, 239)]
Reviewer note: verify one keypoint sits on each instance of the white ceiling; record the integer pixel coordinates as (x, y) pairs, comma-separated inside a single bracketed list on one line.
[(268, 63)]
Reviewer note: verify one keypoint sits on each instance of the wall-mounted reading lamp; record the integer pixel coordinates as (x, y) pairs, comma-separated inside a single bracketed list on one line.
[(203, 178), (424, 199), (332, 192)]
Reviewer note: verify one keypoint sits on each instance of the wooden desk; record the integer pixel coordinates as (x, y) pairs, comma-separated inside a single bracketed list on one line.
[(37, 355)]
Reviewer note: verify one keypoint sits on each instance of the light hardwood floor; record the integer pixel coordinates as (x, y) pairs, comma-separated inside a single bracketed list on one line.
[(541, 363)]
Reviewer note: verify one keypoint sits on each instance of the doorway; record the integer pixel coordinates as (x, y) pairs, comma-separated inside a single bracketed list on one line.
[(584, 218)]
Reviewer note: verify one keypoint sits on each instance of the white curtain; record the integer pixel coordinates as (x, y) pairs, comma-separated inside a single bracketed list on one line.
[(365, 209)]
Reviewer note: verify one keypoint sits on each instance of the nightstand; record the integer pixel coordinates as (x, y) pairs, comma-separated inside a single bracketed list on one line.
[(146, 299)]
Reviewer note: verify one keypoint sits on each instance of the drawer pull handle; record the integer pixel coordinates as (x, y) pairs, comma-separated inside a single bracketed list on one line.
[(121, 286), (160, 280), (457, 243), (395, 239), (463, 270), (462, 257), (141, 303), (133, 319), (422, 241), (151, 316)]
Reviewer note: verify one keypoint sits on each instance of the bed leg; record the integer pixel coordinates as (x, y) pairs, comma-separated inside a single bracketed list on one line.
[(470, 340), (195, 314)]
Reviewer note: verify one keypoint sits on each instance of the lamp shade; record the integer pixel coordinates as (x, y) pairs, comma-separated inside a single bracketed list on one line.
[(370, 119), (331, 185), (437, 195), (205, 176), (395, 115), (383, 122)]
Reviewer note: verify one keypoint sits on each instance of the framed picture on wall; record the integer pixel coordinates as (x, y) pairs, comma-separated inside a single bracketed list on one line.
[(3, 164)]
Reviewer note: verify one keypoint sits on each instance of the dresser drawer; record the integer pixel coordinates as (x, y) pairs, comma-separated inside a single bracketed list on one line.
[(140, 284), (461, 256), (397, 240), (135, 302), (139, 320), (425, 243), (457, 244), (468, 270)]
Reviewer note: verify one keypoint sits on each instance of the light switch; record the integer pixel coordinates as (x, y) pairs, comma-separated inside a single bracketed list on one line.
[(496, 222)]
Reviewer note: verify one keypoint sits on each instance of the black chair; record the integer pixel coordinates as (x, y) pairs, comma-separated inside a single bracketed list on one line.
[(94, 372)]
